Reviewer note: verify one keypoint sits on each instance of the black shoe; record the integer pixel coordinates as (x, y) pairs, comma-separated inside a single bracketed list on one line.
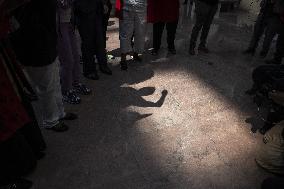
[(71, 97), (192, 51), (18, 184), (249, 51), (70, 116), (105, 70), (137, 58), (123, 65), (273, 61), (92, 76), (203, 49), (60, 127), (172, 51), (82, 89), (263, 54), (154, 52)]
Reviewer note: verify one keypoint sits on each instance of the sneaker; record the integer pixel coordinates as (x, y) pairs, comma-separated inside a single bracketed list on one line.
[(60, 127), (203, 49), (82, 89), (71, 97)]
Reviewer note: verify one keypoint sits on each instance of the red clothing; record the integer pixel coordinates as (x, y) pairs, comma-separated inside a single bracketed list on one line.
[(118, 7), (12, 114), (163, 11)]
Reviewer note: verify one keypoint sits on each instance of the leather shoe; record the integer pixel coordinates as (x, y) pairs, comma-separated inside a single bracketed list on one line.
[(106, 70)]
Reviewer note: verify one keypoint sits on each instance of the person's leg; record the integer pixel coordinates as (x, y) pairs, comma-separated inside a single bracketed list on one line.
[(100, 48), (257, 33), (46, 83), (157, 35), (87, 33), (65, 53), (139, 32), (270, 33), (126, 29), (171, 35), (201, 10), (206, 27), (76, 73)]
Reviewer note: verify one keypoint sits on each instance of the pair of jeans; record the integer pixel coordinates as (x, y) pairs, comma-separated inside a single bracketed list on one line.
[(204, 17), (45, 81), (158, 29), (132, 24), (69, 56)]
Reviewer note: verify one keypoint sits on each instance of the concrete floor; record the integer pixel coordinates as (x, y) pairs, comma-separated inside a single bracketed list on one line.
[(170, 122)]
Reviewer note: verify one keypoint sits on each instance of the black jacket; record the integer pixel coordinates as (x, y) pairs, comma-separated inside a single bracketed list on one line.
[(36, 40)]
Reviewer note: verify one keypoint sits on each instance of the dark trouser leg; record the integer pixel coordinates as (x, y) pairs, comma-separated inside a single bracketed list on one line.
[(87, 33), (258, 31), (76, 58), (65, 57), (207, 24), (201, 12), (100, 48), (270, 33), (158, 29), (280, 46), (171, 34)]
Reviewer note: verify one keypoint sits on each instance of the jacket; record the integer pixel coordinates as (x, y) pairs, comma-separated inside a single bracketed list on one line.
[(35, 41)]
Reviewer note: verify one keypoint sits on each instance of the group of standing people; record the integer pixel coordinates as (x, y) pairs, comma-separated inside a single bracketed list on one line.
[(270, 22), (45, 43), (134, 14)]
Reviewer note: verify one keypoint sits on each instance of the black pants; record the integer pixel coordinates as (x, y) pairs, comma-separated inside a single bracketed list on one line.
[(158, 29), (92, 32), (204, 17), (106, 19)]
